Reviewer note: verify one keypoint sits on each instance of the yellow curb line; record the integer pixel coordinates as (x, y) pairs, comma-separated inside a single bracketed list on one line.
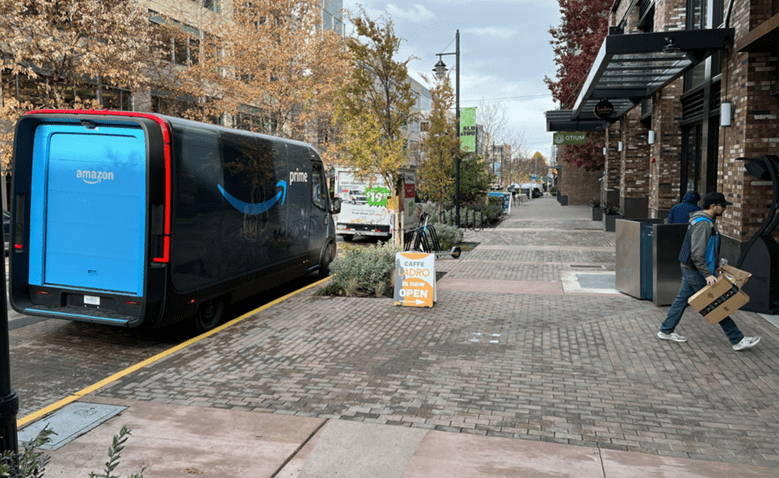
[(54, 406)]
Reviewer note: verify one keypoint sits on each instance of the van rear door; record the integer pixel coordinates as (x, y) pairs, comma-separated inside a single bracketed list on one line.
[(88, 208)]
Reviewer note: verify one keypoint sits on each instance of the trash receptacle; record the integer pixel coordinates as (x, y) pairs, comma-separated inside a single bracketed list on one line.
[(634, 257)]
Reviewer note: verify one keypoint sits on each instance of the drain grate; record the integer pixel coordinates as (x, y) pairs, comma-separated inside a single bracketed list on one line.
[(597, 281), (70, 423), (587, 267)]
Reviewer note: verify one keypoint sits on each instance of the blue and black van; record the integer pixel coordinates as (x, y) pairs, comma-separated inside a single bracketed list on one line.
[(138, 219)]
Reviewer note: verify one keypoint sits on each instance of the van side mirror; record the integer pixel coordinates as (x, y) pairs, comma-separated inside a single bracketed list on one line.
[(335, 205)]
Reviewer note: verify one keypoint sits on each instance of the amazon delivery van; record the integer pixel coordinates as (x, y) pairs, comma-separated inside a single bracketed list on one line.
[(136, 219)]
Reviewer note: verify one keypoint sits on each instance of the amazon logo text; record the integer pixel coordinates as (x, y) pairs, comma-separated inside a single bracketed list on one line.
[(94, 177)]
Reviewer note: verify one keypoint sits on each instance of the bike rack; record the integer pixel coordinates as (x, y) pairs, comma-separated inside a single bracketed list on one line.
[(425, 239)]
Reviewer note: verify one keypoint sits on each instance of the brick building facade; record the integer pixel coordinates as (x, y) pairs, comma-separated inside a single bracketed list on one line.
[(699, 91)]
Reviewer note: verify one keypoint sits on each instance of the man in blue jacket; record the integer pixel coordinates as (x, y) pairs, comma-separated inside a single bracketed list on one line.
[(680, 214), (698, 258)]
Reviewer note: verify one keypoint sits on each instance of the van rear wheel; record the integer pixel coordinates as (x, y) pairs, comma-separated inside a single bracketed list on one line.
[(208, 315)]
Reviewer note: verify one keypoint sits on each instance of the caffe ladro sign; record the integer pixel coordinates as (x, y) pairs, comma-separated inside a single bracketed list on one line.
[(604, 109)]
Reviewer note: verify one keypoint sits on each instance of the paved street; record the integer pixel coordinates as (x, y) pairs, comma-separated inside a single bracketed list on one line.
[(516, 347)]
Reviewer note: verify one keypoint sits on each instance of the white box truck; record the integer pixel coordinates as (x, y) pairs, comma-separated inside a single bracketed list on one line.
[(364, 205)]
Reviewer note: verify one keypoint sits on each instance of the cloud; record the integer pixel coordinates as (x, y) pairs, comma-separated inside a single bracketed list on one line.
[(415, 13), (499, 33)]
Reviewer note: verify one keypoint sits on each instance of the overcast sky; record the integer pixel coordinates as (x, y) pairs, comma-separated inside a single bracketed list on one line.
[(504, 52)]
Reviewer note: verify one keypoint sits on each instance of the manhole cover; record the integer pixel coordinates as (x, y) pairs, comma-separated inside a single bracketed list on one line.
[(596, 281), (70, 423)]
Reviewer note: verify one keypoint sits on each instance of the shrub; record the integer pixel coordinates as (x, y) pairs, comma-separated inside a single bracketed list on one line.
[(31, 463), (365, 268), (449, 236)]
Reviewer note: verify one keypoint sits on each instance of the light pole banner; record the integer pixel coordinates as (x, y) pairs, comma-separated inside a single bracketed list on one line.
[(468, 129)]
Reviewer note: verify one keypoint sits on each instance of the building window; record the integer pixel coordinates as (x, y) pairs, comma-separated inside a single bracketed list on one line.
[(254, 119), (646, 15), (115, 98), (183, 47), (213, 5), (703, 14)]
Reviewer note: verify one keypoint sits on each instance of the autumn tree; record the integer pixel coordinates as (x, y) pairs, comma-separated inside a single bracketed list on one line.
[(69, 54), (270, 65), (584, 25), (436, 173), (375, 105)]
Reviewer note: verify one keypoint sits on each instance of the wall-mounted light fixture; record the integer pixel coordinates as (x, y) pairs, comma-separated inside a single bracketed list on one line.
[(605, 151), (619, 146), (725, 113), (651, 139)]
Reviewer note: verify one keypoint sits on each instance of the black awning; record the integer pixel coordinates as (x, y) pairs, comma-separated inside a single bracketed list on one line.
[(630, 68), (561, 120)]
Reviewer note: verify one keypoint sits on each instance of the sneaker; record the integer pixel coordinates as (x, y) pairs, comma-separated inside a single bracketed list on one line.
[(672, 336), (746, 343)]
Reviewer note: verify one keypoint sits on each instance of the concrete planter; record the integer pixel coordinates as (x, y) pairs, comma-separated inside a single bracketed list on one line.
[(609, 222)]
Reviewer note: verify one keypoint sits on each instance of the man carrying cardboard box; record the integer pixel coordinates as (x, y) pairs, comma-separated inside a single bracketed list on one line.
[(698, 258)]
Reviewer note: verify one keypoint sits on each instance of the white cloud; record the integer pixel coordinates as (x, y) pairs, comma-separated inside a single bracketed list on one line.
[(499, 33), (415, 13)]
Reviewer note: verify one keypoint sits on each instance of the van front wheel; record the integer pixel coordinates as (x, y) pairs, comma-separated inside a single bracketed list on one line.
[(327, 258), (208, 315)]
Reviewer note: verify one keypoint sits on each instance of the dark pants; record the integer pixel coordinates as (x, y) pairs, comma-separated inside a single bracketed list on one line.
[(692, 282)]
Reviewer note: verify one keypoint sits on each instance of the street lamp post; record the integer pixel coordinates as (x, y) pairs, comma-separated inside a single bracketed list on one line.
[(440, 71), (9, 399), (492, 159)]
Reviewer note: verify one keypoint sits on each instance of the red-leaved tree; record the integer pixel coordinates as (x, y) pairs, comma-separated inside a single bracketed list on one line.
[(584, 24)]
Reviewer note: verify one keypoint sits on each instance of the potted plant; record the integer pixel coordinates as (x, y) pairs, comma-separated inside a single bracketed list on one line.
[(597, 212), (610, 216)]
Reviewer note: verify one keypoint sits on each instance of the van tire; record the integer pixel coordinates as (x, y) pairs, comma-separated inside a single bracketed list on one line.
[(327, 258), (348, 237), (208, 315)]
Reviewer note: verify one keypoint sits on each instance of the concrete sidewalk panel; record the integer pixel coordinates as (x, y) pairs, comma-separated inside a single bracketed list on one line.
[(358, 450), (444, 455), (621, 463), (175, 440)]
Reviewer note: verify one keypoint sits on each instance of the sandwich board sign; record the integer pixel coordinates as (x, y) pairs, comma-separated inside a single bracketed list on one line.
[(415, 279)]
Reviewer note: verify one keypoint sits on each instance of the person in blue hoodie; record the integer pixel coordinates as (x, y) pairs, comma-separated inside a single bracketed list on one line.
[(680, 214), (698, 258)]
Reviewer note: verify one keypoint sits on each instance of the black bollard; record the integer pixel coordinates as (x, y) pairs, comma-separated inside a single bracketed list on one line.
[(9, 399)]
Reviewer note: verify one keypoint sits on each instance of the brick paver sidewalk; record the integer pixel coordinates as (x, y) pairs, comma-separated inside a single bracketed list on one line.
[(507, 351)]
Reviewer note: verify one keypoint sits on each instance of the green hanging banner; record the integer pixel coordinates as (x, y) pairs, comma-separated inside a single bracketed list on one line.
[(468, 130)]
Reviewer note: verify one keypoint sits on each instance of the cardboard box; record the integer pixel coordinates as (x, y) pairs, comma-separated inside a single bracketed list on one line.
[(715, 302)]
